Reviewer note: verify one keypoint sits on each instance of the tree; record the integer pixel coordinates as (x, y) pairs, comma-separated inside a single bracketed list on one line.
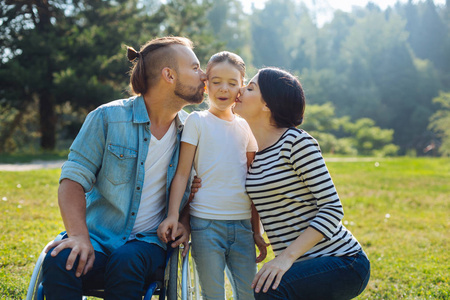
[(58, 52), (440, 122)]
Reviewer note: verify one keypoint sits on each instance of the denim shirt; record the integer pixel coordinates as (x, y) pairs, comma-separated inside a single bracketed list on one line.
[(107, 158)]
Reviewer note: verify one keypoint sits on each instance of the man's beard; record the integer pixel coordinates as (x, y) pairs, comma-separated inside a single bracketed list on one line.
[(189, 94)]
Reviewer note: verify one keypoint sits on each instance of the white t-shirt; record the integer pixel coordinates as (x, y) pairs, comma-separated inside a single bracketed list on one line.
[(221, 162), (153, 198)]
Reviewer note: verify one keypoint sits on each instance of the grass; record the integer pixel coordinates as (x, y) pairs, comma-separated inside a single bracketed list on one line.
[(397, 208), (26, 157)]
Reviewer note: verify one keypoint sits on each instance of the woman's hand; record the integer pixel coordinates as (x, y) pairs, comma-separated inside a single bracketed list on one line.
[(273, 270)]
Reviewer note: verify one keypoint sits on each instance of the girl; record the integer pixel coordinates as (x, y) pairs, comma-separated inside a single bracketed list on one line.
[(221, 146), (289, 183)]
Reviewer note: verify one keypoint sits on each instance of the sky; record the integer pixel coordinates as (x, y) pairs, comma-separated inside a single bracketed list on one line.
[(326, 7)]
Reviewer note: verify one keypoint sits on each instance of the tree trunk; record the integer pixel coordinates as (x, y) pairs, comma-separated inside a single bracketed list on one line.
[(47, 120)]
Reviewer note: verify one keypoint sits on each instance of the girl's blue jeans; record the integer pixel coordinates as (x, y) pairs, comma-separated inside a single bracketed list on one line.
[(332, 277), (124, 274), (224, 245)]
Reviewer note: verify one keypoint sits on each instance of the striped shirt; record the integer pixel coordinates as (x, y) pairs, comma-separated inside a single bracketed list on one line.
[(292, 189)]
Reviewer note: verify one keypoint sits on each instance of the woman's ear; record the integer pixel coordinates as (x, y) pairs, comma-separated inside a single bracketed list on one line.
[(168, 75), (266, 108)]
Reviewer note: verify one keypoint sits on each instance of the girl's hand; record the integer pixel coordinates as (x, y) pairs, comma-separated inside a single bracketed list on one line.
[(262, 246), (167, 229), (273, 270)]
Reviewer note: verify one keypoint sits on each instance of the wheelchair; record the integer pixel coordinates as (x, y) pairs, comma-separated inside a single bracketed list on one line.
[(180, 280)]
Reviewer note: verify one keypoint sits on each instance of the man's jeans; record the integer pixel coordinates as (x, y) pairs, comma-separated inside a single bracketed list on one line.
[(331, 277), (124, 274), (219, 245)]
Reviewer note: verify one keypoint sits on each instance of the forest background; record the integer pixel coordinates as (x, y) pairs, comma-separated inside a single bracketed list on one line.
[(377, 81)]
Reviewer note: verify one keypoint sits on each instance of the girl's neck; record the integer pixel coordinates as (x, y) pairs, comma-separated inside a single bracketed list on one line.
[(226, 114), (266, 134)]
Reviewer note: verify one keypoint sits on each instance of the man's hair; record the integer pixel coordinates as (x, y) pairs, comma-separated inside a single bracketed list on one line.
[(231, 58), (283, 95), (154, 56)]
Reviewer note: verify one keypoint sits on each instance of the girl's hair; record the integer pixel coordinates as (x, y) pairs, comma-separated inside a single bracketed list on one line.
[(154, 56), (283, 95), (228, 57)]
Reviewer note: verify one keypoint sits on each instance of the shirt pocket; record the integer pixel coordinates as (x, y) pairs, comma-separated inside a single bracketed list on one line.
[(120, 163)]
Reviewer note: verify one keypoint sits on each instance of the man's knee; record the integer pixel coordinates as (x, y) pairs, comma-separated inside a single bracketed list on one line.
[(55, 263)]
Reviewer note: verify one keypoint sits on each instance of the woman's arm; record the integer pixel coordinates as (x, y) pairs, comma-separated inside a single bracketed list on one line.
[(177, 189), (275, 269)]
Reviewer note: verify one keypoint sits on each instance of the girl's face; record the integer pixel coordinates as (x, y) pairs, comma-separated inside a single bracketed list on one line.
[(250, 103), (224, 82)]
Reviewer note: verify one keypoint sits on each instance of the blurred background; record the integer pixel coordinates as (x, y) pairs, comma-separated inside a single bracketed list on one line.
[(376, 74)]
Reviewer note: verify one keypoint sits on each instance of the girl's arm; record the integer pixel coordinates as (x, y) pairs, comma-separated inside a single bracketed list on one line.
[(182, 175), (257, 228)]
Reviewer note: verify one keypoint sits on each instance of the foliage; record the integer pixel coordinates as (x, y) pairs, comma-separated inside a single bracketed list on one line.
[(73, 52), (440, 122), (341, 136)]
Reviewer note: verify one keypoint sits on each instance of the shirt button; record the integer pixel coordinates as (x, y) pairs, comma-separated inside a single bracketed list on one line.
[(132, 213), (145, 139), (170, 165), (124, 238), (138, 188), (148, 123), (121, 155), (142, 162)]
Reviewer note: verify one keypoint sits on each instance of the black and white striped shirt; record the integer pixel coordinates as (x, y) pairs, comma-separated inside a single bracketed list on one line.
[(292, 189)]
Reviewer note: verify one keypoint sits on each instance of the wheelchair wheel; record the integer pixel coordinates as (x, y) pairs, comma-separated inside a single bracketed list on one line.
[(35, 290), (182, 279)]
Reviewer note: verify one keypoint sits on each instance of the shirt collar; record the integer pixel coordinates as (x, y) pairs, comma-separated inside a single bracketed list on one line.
[(140, 114)]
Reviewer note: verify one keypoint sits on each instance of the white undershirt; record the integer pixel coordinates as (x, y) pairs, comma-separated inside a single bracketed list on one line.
[(152, 207)]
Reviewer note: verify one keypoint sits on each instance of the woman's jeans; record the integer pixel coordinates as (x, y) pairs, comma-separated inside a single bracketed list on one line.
[(219, 245), (124, 274), (332, 277)]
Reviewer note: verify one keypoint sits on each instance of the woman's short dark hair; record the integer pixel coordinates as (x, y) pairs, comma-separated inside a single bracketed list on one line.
[(283, 95)]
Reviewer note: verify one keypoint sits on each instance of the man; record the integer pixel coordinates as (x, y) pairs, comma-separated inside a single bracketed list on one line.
[(114, 187)]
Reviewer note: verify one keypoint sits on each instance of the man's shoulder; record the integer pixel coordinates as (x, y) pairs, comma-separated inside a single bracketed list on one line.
[(126, 103)]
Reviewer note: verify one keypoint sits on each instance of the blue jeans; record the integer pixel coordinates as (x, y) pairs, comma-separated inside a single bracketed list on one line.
[(224, 245), (124, 274), (332, 277)]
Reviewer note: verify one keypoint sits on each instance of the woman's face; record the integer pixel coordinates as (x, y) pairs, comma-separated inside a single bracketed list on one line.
[(250, 104)]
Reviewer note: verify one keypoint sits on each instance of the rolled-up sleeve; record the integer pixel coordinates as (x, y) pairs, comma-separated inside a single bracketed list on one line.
[(87, 150)]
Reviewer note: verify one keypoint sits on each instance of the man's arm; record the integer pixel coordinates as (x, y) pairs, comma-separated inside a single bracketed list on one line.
[(72, 204)]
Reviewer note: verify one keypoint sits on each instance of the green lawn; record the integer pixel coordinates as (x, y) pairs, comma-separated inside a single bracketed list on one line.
[(397, 208)]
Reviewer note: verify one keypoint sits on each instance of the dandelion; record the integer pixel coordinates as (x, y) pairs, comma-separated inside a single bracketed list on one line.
[(5, 199), (19, 206), (19, 186), (345, 222), (387, 216), (377, 164), (352, 223)]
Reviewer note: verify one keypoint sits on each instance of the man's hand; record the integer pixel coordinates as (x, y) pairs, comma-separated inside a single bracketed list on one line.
[(196, 184), (81, 247), (262, 246), (182, 237)]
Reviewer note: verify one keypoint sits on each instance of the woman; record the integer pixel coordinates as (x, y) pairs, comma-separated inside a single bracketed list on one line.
[(316, 257)]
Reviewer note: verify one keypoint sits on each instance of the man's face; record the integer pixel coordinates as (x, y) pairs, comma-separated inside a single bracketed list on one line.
[(190, 84)]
